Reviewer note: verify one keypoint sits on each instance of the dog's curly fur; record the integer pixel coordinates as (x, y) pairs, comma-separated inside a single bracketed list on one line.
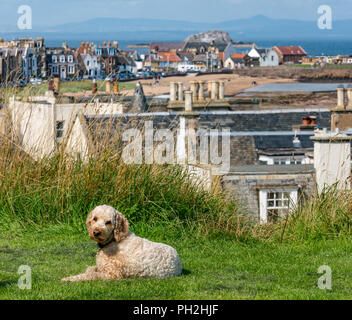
[(122, 253)]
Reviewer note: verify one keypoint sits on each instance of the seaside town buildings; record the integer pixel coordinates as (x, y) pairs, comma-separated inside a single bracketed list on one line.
[(276, 155)]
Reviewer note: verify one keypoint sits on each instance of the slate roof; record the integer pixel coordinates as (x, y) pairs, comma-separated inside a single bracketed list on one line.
[(291, 50), (206, 45), (268, 143), (271, 120), (166, 46)]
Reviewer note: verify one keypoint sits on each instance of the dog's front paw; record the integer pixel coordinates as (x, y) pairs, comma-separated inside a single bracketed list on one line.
[(68, 279)]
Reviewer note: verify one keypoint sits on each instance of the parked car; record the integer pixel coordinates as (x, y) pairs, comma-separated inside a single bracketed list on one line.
[(36, 81)]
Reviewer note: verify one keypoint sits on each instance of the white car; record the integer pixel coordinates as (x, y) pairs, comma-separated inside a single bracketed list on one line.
[(36, 81)]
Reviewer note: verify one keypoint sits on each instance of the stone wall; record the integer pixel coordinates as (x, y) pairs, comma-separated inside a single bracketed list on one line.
[(246, 186)]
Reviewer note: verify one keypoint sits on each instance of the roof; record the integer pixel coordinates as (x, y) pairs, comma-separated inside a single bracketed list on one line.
[(238, 55), (275, 169), (259, 121), (166, 46), (184, 55), (197, 45), (283, 142), (291, 50), (168, 56)]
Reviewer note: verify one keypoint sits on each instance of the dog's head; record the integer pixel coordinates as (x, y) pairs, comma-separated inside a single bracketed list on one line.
[(106, 224)]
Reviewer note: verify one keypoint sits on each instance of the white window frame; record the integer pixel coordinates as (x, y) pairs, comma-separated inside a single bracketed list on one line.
[(70, 59), (263, 201), (71, 69), (289, 160), (54, 59), (62, 59)]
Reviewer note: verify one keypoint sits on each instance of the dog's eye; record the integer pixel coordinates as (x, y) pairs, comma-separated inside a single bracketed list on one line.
[(95, 219), (108, 222)]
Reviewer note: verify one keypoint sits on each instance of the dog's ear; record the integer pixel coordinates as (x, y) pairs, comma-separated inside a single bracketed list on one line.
[(121, 227), (88, 223)]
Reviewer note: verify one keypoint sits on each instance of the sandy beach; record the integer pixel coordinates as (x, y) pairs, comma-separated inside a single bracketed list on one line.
[(234, 83)]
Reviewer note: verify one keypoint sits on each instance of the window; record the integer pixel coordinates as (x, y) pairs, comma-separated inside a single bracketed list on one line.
[(289, 160), (276, 204), (71, 69), (59, 129), (70, 59), (54, 59), (279, 161), (55, 70), (62, 58)]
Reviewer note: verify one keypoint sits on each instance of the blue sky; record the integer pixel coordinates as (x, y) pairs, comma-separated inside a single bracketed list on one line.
[(54, 12)]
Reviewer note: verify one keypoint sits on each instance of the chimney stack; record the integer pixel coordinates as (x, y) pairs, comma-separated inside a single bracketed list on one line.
[(201, 91), (349, 96), (51, 85), (188, 101), (194, 89), (341, 97), (180, 91), (108, 86), (116, 87), (221, 90), (57, 84), (214, 90), (94, 86), (332, 160), (173, 91)]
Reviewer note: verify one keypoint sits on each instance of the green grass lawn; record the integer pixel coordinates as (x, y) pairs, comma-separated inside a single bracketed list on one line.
[(213, 268), (66, 87)]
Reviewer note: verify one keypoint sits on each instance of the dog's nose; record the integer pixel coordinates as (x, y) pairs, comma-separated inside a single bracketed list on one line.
[(97, 233)]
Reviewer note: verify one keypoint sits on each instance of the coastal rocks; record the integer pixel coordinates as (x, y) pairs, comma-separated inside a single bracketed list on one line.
[(210, 36)]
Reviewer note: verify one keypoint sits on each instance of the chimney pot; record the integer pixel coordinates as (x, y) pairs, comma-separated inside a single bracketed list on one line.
[(94, 87)]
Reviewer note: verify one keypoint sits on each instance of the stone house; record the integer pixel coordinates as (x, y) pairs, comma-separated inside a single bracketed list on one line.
[(62, 63), (264, 57), (290, 54)]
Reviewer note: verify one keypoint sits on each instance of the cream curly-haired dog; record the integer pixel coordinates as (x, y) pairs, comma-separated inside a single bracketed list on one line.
[(123, 254)]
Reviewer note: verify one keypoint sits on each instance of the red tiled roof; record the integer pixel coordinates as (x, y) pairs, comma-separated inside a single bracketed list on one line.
[(168, 56), (238, 55), (292, 50)]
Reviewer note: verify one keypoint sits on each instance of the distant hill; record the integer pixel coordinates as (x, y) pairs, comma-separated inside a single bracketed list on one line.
[(254, 27), (258, 27)]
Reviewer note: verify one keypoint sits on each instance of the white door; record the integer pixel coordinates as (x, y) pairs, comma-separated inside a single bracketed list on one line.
[(63, 73)]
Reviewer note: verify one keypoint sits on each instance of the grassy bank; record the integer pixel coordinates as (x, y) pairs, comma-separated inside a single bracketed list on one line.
[(213, 268), (44, 204), (65, 87)]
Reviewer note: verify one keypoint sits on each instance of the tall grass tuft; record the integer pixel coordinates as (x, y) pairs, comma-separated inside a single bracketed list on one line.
[(57, 190), (327, 215)]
